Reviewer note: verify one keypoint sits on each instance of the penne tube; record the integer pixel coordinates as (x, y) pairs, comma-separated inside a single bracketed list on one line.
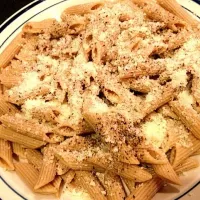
[(19, 150), (39, 27), (186, 165), (74, 164), (6, 107), (129, 184), (127, 155), (188, 116), (81, 9), (61, 168), (13, 136), (167, 112), (35, 158), (155, 12), (30, 175), (180, 153), (196, 152), (90, 183), (174, 7), (166, 96), (57, 183), (147, 190), (6, 159), (131, 172), (113, 185), (47, 173), (150, 156), (30, 128), (11, 50), (68, 176), (167, 173), (144, 69)]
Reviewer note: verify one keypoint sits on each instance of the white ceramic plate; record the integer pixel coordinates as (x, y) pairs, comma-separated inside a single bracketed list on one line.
[(11, 186)]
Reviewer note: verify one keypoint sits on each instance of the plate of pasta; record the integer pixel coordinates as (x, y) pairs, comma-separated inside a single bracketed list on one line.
[(101, 100)]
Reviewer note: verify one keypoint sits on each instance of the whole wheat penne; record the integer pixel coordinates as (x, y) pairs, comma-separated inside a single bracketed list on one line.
[(13, 136), (30, 175), (35, 158), (150, 156), (167, 112), (81, 9), (196, 152), (188, 116), (113, 185), (90, 183), (167, 173), (11, 50), (127, 155), (39, 27), (61, 168), (72, 163), (30, 128), (179, 153), (19, 150), (57, 183), (47, 173), (131, 172), (147, 190), (6, 159), (174, 7), (186, 165), (68, 176), (156, 12), (144, 69), (6, 107), (130, 185)]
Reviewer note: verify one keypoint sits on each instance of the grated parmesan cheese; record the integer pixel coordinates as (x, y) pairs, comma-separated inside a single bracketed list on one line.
[(185, 98), (155, 130)]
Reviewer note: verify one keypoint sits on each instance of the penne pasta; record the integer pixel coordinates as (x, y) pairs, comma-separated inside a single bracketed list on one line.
[(35, 158), (147, 190), (6, 107), (90, 183), (68, 176), (81, 9), (166, 96), (61, 168), (57, 183), (175, 8), (30, 128), (188, 116), (186, 165), (179, 153), (48, 169), (150, 156), (30, 175), (131, 172), (113, 185), (129, 184), (13, 136), (196, 152), (39, 27), (6, 159), (11, 50), (19, 150), (167, 173), (74, 164)]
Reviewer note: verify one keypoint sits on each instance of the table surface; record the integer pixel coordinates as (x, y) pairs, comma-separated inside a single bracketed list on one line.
[(9, 7)]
